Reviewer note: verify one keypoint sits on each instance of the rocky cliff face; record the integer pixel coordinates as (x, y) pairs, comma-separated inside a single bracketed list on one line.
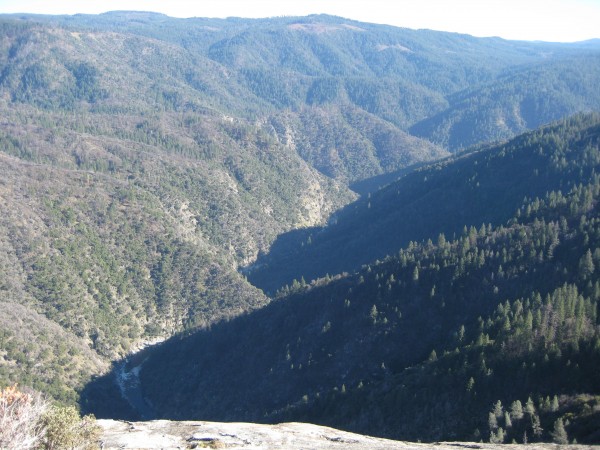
[(165, 434)]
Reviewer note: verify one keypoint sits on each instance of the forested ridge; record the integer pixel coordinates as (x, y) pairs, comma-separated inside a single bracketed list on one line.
[(165, 177), (484, 185), (424, 343)]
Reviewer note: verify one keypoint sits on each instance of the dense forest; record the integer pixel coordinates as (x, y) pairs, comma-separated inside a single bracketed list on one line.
[(209, 178)]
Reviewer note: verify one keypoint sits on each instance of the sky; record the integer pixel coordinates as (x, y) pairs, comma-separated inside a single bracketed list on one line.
[(545, 20)]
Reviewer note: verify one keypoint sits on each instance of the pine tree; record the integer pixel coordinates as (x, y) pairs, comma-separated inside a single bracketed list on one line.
[(433, 356), (586, 265), (373, 314), (530, 407), (470, 384), (498, 409), (415, 276), (559, 435), (516, 410), (492, 421), (441, 240), (536, 426), (554, 406), (497, 437)]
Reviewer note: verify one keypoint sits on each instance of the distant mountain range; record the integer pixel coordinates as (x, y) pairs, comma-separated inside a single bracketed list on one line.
[(173, 177)]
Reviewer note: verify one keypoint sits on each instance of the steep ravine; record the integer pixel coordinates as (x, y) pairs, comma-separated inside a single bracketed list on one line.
[(127, 373)]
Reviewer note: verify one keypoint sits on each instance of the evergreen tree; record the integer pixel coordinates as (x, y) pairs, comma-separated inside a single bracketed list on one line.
[(516, 410), (554, 406), (497, 437), (530, 407), (498, 409), (432, 356), (586, 265), (559, 435), (373, 314), (470, 384), (492, 421), (536, 425)]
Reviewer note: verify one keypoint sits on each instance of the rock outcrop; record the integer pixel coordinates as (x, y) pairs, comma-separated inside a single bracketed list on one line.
[(165, 434)]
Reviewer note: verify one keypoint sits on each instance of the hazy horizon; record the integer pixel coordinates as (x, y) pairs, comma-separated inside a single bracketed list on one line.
[(554, 20)]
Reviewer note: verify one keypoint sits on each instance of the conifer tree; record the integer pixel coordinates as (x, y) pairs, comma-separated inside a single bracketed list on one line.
[(554, 406), (586, 265), (498, 409), (559, 435), (516, 410), (530, 407), (492, 421)]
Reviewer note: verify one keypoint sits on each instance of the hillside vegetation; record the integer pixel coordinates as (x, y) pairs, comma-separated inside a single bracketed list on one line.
[(519, 100), (144, 160), (480, 186), (427, 342)]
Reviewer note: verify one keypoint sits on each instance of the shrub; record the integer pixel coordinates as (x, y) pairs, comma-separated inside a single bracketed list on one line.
[(64, 429), (20, 414), (27, 422)]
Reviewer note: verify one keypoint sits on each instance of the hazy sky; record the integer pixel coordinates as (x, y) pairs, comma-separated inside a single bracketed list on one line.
[(549, 20)]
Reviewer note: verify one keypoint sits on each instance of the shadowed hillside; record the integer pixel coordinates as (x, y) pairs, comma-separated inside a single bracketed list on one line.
[(428, 342), (144, 159), (483, 186)]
